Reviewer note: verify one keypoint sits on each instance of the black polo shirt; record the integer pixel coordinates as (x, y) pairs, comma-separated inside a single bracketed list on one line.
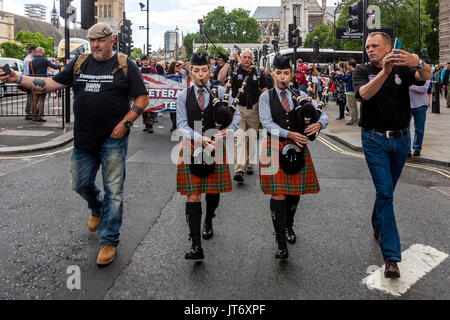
[(389, 108), (252, 91)]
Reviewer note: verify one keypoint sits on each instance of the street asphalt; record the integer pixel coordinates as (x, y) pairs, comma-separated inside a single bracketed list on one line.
[(44, 231)]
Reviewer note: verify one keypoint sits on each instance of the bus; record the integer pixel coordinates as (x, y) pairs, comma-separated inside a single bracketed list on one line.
[(77, 47), (325, 57)]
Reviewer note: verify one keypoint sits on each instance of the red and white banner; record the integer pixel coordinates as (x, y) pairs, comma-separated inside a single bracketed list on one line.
[(163, 91)]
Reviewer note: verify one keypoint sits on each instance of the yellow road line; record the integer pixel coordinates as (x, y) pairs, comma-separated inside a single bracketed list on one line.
[(36, 155), (333, 147)]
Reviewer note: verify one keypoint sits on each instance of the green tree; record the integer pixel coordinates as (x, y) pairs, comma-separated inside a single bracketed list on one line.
[(212, 51), (233, 27), (324, 34), (12, 50), (27, 38), (136, 53), (406, 23), (432, 38), (188, 42)]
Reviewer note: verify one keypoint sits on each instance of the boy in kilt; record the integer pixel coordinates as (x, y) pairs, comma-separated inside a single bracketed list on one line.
[(277, 114), (196, 124)]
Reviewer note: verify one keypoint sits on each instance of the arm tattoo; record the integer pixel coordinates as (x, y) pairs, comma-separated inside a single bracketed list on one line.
[(39, 83), (138, 110)]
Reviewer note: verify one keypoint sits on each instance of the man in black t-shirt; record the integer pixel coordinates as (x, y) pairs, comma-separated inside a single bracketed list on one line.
[(248, 106), (102, 89), (383, 87)]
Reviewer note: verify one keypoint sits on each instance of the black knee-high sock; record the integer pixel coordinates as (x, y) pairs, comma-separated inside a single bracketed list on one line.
[(291, 207), (194, 218), (278, 210), (212, 202)]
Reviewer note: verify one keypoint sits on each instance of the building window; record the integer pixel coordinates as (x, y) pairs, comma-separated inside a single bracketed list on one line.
[(100, 11), (109, 11), (296, 8)]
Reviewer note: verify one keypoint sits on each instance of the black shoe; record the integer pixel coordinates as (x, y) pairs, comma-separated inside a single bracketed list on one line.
[(28, 118), (196, 253), (207, 232), (150, 128), (290, 235), (391, 270), (409, 154), (416, 153), (350, 123), (145, 129), (249, 171), (239, 176), (282, 254)]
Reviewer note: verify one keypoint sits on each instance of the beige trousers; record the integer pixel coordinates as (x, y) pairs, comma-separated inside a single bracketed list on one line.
[(353, 107), (245, 147)]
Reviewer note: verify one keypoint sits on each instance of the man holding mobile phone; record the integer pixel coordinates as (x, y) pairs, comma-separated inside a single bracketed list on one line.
[(383, 87)]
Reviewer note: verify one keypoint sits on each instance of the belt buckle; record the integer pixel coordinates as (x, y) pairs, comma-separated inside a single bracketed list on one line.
[(388, 133)]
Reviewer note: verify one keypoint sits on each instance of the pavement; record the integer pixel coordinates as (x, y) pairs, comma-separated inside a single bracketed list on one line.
[(19, 136)]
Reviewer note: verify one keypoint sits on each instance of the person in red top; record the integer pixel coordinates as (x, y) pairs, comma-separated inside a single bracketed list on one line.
[(302, 71)]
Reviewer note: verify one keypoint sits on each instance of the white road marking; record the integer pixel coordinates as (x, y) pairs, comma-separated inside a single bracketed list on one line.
[(418, 260), (26, 133)]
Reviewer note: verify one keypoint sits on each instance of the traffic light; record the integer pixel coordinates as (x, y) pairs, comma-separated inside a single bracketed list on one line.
[(63, 5), (122, 47), (265, 49), (115, 43), (294, 38), (88, 13), (316, 48), (356, 11)]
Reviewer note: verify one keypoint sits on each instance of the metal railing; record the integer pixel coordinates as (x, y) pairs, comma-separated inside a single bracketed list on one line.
[(13, 103)]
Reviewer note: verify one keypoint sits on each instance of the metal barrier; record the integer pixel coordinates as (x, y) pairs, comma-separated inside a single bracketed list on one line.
[(13, 103)]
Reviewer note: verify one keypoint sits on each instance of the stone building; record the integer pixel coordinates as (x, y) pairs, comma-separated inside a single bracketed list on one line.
[(273, 22), (444, 31), (110, 12)]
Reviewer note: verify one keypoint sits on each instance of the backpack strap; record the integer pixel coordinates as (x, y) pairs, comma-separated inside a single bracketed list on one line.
[(79, 63), (123, 64)]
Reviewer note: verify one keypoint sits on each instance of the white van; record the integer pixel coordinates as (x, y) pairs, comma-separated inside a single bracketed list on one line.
[(16, 65)]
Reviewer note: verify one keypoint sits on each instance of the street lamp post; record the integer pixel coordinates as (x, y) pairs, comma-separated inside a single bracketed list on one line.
[(146, 9)]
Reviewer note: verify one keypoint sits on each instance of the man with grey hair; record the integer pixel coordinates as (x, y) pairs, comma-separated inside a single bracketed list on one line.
[(248, 107)]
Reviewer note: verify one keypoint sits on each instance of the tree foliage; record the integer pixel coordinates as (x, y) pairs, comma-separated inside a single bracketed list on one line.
[(24, 39), (136, 53), (406, 26), (212, 51)]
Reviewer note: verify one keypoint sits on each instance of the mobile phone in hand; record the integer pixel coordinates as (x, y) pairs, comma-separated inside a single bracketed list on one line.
[(6, 69), (397, 44)]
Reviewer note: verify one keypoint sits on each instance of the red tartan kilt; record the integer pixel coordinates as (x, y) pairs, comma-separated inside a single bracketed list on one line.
[(217, 182), (274, 180)]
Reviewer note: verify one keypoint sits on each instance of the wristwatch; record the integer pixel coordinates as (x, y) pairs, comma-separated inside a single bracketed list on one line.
[(420, 65), (127, 123)]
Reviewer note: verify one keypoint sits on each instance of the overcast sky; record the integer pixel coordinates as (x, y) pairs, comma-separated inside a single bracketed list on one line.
[(164, 14)]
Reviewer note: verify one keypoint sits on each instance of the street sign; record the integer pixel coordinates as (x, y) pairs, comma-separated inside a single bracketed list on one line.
[(342, 34)]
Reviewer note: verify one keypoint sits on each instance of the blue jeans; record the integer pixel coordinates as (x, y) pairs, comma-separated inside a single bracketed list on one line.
[(108, 205), (420, 115), (385, 159)]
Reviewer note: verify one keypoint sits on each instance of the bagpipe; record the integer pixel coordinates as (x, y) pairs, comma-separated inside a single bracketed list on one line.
[(292, 157)]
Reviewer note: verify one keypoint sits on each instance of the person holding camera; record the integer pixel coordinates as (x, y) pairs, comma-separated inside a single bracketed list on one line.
[(383, 87)]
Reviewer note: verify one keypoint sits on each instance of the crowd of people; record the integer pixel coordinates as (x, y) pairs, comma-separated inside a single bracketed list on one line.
[(105, 83)]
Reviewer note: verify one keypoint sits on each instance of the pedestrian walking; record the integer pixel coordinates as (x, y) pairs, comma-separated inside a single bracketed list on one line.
[(245, 146), (196, 123), (383, 87), (102, 83), (278, 117), (419, 104)]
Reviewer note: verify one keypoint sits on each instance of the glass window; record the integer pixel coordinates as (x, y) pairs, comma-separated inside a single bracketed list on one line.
[(109, 11), (100, 11)]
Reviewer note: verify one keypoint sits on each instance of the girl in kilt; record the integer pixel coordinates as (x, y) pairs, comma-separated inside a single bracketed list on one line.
[(195, 122), (277, 114)]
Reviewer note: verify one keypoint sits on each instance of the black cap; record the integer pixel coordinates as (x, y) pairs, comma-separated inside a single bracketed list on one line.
[(144, 58), (281, 62), (199, 59)]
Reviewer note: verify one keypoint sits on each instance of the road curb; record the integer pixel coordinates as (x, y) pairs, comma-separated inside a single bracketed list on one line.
[(356, 146), (54, 143)]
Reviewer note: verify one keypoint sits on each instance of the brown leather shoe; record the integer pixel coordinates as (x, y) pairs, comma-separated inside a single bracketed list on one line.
[(93, 223), (106, 255), (376, 235), (391, 270)]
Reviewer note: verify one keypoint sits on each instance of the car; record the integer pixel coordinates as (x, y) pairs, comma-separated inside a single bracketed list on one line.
[(16, 65)]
